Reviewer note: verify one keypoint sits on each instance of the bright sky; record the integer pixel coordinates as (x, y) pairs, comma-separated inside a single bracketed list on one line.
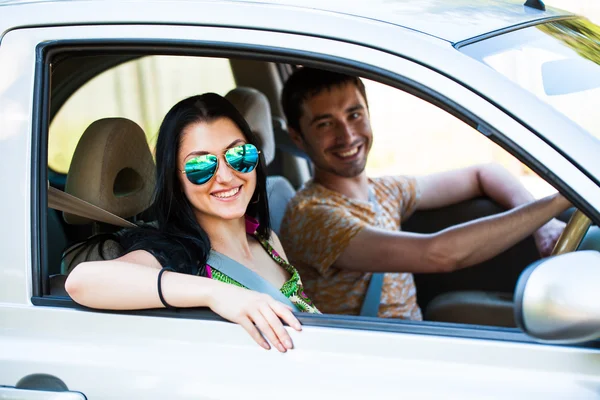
[(587, 8)]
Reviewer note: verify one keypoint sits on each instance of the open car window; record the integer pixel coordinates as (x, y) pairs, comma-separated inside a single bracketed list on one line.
[(414, 137), (411, 137), (141, 90)]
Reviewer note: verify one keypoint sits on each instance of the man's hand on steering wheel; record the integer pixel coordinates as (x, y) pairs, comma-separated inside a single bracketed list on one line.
[(547, 236)]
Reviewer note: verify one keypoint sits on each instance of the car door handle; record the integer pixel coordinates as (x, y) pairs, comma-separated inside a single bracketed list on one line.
[(11, 393)]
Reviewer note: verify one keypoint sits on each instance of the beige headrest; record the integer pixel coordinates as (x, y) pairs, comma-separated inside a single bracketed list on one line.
[(254, 106), (112, 168)]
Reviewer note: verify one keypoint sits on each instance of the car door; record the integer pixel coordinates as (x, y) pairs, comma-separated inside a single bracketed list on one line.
[(193, 353)]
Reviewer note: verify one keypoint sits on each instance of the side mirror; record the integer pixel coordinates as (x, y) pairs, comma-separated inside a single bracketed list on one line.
[(556, 299)]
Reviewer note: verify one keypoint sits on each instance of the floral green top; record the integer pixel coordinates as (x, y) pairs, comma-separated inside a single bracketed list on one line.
[(293, 289)]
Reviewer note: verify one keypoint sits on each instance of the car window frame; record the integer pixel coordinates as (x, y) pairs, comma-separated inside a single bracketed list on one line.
[(67, 88), (264, 53)]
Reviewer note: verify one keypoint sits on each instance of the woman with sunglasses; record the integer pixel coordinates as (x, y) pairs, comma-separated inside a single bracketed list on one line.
[(210, 194)]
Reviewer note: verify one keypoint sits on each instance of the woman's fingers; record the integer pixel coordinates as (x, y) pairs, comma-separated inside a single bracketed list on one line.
[(248, 325), (285, 313), (263, 320), (265, 327), (276, 325)]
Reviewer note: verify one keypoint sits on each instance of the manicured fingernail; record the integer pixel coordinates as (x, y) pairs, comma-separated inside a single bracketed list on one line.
[(281, 348), (266, 345), (288, 343)]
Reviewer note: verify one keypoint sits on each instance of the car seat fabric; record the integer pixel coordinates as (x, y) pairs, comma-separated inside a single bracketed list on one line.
[(280, 192), (56, 241), (254, 106), (95, 249), (482, 294), (473, 307), (112, 168), (290, 161)]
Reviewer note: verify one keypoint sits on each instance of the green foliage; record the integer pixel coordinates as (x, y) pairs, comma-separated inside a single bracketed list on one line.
[(579, 34)]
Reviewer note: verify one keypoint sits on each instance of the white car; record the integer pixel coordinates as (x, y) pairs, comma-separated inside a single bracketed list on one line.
[(523, 76)]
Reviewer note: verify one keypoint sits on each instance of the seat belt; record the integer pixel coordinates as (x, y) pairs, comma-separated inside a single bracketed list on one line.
[(370, 305), (246, 276), (59, 200), (65, 202)]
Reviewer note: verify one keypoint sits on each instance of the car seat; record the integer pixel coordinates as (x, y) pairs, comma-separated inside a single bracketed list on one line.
[(254, 106), (480, 295), (112, 168)]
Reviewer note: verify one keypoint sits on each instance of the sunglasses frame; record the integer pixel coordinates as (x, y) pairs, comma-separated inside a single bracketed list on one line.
[(183, 171)]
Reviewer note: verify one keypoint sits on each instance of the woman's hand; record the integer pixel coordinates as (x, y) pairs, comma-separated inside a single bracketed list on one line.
[(254, 310)]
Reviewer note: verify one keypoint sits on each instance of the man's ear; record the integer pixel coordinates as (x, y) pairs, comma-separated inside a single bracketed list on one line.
[(297, 138)]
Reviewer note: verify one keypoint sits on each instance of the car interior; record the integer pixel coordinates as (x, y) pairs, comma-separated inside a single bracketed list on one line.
[(112, 167)]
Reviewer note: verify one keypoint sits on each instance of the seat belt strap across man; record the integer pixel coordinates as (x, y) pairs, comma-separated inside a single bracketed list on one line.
[(370, 305)]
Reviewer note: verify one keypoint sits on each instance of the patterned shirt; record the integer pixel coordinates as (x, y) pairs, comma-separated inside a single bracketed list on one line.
[(168, 254), (293, 289), (318, 226)]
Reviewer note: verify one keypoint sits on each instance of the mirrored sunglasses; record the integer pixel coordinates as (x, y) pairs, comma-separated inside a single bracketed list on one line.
[(201, 169)]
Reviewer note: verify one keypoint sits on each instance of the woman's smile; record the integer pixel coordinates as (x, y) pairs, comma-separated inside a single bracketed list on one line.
[(227, 194)]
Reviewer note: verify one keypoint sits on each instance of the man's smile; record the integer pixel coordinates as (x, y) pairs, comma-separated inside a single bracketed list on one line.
[(348, 153)]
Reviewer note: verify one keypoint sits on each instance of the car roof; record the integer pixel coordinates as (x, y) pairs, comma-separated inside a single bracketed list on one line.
[(449, 20)]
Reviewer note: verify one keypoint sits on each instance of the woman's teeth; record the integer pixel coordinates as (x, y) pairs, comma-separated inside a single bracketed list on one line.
[(349, 152), (229, 193)]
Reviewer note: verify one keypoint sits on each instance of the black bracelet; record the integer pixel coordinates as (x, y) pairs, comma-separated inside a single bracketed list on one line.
[(160, 295)]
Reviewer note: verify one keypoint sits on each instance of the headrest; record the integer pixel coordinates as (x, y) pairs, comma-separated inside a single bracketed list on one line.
[(112, 168), (254, 107)]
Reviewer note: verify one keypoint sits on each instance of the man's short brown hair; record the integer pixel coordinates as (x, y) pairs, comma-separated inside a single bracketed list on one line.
[(305, 83)]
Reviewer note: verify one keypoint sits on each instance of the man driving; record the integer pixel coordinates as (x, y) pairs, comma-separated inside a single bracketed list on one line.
[(343, 226)]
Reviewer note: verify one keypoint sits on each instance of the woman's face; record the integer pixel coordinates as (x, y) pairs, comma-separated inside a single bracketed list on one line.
[(227, 194)]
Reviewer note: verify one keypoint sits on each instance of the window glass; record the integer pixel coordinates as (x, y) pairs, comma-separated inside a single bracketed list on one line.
[(142, 90), (413, 137), (559, 62)]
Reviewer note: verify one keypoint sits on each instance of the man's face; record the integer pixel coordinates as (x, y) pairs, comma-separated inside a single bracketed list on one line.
[(336, 131)]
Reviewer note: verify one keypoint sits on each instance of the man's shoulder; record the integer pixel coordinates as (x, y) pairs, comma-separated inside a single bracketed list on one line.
[(311, 207), (311, 194), (394, 180), (402, 190), (395, 185)]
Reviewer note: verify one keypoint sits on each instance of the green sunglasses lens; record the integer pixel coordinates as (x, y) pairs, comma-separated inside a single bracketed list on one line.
[(243, 158), (200, 169)]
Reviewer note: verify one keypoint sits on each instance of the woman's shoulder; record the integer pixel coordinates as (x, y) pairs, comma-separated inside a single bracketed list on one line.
[(141, 257), (168, 249), (140, 237), (273, 245)]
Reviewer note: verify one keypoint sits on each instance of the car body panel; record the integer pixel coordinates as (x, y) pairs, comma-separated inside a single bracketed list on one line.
[(106, 356), (120, 355), (437, 18), (424, 49), (124, 345), (21, 103)]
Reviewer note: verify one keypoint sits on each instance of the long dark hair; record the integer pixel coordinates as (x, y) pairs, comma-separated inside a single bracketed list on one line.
[(179, 241)]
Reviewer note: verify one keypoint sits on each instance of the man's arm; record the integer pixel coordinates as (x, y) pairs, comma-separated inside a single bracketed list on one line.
[(491, 180), (464, 245)]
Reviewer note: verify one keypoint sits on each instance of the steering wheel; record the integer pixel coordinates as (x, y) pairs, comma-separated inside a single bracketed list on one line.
[(573, 234)]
